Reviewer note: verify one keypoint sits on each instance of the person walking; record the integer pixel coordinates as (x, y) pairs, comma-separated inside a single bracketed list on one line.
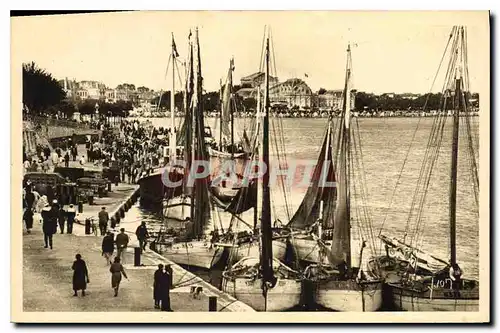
[(165, 288), (117, 271), (158, 286), (66, 159), (121, 241), (142, 235), (28, 219), (61, 218), (103, 220), (80, 275), (71, 213), (108, 247), (49, 227)]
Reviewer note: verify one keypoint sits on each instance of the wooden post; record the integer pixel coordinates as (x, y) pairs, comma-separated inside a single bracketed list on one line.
[(137, 256), (212, 304)]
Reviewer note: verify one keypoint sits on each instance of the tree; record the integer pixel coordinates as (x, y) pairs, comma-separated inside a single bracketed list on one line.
[(250, 103), (321, 91), (40, 89)]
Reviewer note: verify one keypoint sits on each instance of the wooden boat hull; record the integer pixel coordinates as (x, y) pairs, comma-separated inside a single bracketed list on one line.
[(252, 250), (225, 194), (178, 208), (152, 189), (349, 296), (194, 253), (405, 299), (285, 294), (217, 153), (307, 250)]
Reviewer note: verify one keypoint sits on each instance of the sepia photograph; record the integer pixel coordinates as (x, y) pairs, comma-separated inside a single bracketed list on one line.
[(285, 165)]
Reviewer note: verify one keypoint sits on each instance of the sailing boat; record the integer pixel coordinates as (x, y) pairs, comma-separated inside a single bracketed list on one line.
[(178, 207), (194, 248), (315, 213), (423, 286), (340, 285), (226, 131), (152, 186), (226, 152), (263, 282)]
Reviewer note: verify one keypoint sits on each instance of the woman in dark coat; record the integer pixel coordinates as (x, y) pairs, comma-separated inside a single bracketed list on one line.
[(158, 286), (80, 275)]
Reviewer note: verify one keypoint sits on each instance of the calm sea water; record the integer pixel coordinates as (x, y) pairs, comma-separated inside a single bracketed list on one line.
[(385, 142)]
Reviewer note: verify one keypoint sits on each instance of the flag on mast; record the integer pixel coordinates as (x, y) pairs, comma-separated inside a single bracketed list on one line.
[(174, 48)]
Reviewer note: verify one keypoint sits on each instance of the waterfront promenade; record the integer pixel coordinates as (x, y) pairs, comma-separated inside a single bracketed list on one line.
[(47, 274)]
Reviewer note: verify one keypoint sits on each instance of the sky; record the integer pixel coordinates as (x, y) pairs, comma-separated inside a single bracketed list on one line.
[(396, 51)]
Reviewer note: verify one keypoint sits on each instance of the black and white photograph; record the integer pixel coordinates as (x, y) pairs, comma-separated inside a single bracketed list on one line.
[(285, 165)]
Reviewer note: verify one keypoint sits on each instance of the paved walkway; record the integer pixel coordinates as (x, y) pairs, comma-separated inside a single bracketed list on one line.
[(47, 274)]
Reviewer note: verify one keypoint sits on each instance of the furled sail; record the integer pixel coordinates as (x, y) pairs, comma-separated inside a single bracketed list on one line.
[(245, 199), (226, 103), (321, 189)]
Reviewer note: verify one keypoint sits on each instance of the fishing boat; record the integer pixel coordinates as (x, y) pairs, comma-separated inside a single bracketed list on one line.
[(263, 282), (341, 285), (423, 282), (191, 244)]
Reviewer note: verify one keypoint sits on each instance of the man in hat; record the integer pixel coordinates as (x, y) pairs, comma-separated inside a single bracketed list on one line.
[(108, 247), (49, 227), (121, 241), (103, 220), (142, 235), (71, 213)]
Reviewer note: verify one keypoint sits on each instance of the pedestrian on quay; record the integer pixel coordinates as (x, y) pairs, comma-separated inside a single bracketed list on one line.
[(103, 220), (28, 219), (108, 247), (80, 275), (66, 159), (117, 271), (49, 227), (71, 213), (61, 218), (158, 286), (166, 284), (121, 241), (142, 235)]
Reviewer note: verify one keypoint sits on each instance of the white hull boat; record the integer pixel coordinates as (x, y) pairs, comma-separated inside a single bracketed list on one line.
[(252, 249), (243, 283), (349, 295), (178, 208), (193, 253)]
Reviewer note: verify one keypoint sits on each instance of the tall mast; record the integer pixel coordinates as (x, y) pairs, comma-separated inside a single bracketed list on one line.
[(454, 161), (348, 152), (267, 253), (221, 97), (173, 148), (231, 109)]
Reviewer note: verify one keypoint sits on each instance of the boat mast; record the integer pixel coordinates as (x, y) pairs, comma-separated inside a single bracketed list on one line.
[(266, 231), (454, 161), (348, 151), (231, 110), (257, 129), (221, 97), (173, 148)]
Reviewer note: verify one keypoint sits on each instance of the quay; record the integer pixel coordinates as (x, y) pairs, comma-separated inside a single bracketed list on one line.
[(47, 273)]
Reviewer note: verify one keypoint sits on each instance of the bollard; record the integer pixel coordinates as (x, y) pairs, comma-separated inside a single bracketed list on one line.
[(109, 187), (87, 227), (137, 256), (122, 212), (91, 200), (80, 207), (117, 180), (117, 218), (212, 304)]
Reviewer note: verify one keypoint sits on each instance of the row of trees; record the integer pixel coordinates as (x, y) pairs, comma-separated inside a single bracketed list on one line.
[(385, 102)]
